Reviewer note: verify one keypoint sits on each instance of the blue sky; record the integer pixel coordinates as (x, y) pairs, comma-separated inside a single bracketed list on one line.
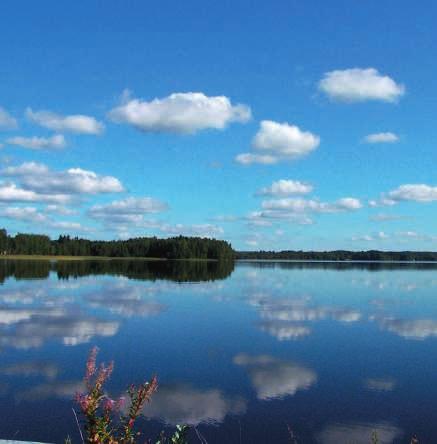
[(274, 125)]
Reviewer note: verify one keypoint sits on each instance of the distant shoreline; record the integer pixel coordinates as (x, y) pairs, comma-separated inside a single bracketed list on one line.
[(331, 261)]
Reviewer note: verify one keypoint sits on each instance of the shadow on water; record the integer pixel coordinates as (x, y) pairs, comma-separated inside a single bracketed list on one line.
[(178, 271)]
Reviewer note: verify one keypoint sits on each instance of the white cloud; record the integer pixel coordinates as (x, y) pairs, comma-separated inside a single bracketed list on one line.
[(127, 210), (34, 216), (299, 205), (37, 143), (9, 192), (182, 113), (130, 212), (409, 192), (414, 192), (370, 238), (360, 85), (39, 178), (285, 187), (29, 214), (249, 158), (383, 202), (279, 141), (284, 139), (381, 138), (7, 122), (203, 230), (273, 378), (77, 123), (59, 209)]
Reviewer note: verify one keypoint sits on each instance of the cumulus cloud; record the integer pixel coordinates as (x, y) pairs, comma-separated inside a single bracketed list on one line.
[(9, 192), (273, 378), (406, 193), (183, 404), (381, 138), (279, 141), (38, 178), (127, 210), (266, 217), (360, 85), (33, 216), (129, 213), (77, 123), (296, 209), (285, 187), (37, 143), (182, 113), (7, 122), (59, 209), (29, 214), (299, 205), (414, 192)]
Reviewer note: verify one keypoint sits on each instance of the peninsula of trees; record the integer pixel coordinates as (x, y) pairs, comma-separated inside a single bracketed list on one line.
[(179, 247)]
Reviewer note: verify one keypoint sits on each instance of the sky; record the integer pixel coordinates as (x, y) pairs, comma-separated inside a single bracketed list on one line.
[(273, 125)]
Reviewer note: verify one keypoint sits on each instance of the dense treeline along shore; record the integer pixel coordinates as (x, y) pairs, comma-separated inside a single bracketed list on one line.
[(339, 255), (179, 247)]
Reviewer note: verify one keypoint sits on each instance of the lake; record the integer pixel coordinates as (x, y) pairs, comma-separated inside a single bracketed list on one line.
[(245, 352)]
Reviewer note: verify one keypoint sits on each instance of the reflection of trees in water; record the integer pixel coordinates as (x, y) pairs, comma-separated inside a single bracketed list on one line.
[(179, 271), (24, 269), (339, 266)]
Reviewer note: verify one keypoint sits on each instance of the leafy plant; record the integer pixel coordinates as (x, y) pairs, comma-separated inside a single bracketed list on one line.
[(108, 421)]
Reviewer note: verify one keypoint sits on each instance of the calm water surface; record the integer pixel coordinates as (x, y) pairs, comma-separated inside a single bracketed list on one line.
[(331, 351)]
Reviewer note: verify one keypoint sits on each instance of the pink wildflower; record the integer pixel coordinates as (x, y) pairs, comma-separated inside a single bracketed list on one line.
[(91, 363)]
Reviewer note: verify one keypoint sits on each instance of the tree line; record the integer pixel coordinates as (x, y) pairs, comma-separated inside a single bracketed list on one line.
[(180, 247), (339, 255)]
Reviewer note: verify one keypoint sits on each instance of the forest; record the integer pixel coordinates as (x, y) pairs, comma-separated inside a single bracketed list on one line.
[(179, 247), (182, 247)]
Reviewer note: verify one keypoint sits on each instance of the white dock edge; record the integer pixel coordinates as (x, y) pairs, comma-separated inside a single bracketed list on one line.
[(11, 441)]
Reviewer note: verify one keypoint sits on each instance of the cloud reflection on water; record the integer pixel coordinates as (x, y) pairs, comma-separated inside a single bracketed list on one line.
[(184, 404), (274, 378), (359, 433)]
